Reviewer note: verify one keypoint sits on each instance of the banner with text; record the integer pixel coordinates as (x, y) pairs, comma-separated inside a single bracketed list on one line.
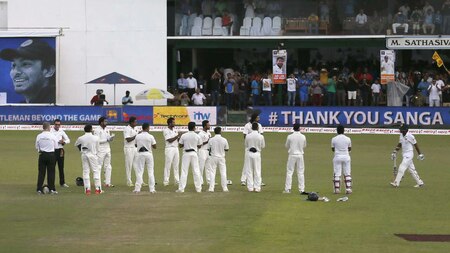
[(184, 115), (387, 66), (74, 114), (279, 61), (353, 116)]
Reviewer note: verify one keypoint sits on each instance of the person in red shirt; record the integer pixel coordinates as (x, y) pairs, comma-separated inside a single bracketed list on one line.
[(227, 21)]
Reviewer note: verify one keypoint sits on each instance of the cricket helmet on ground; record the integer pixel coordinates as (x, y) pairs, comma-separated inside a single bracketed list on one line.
[(79, 181)]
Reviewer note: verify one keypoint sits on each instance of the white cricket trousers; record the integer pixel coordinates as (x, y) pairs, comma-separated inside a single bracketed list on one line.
[(104, 160), (204, 164), (341, 163), (245, 167), (130, 154), (407, 163), (295, 162), (89, 162), (190, 159), (172, 156), (221, 163), (142, 160), (254, 171)]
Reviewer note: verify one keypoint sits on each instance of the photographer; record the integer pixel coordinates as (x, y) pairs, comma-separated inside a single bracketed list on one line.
[(99, 99)]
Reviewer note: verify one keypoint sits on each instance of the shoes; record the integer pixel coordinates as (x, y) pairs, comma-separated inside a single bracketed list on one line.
[(153, 191), (263, 184), (179, 191), (287, 191), (210, 190), (325, 199), (53, 192), (226, 190), (250, 190), (418, 185), (348, 191), (109, 185), (257, 190), (65, 185), (88, 192), (337, 191), (166, 183), (136, 192), (393, 184), (144, 184), (303, 193), (343, 199), (98, 191), (39, 192), (131, 184), (243, 183)]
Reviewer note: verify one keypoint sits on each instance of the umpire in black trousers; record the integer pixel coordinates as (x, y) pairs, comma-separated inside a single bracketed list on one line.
[(46, 143)]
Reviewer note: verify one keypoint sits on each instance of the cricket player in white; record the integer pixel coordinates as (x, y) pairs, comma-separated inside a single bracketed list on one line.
[(203, 152), (104, 153), (145, 142), (295, 143), (217, 146), (247, 130), (407, 143), (341, 145), (171, 152), (89, 144), (190, 142), (254, 143), (129, 148)]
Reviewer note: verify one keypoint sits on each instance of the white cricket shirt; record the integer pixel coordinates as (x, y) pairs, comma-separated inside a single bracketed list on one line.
[(218, 145), (407, 142), (295, 143), (341, 143), (145, 140), (129, 132), (60, 135), (190, 140), (254, 140), (169, 134), (104, 137), (89, 143), (46, 142), (204, 136), (248, 128)]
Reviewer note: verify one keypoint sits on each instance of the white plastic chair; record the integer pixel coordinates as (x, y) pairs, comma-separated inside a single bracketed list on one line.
[(207, 26), (217, 28), (276, 26), (190, 23), (267, 26), (197, 27), (255, 30), (245, 28)]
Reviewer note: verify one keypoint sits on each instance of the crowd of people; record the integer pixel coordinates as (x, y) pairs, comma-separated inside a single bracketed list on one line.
[(419, 17), (311, 87)]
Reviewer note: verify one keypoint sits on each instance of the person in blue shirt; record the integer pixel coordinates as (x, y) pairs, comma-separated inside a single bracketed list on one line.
[(304, 84), (255, 92), (423, 88)]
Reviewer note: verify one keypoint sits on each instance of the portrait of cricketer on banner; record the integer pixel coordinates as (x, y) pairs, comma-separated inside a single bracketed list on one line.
[(279, 60), (387, 66)]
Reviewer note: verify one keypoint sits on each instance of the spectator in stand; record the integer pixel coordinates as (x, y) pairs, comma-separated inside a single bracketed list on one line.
[(291, 89), (317, 92), (416, 18), (216, 81), (304, 83), (423, 87), (365, 75), (440, 83), (409, 93), (242, 93), (127, 99), (191, 84), (349, 8), (184, 99), (182, 83), (377, 24), (376, 90), (267, 90), (438, 20), (428, 7), (446, 17), (434, 90), (201, 84), (361, 22), (400, 20), (229, 90), (428, 22), (365, 91), (186, 11), (405, 9), (340, 91), (255, 92), (313, 24), (198, 98), (227, 21), (331, 91), (221, 6), (324, 11), (352, 87)]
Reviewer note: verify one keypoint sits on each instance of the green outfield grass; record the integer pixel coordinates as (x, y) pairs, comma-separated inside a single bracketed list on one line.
[(238, 221)]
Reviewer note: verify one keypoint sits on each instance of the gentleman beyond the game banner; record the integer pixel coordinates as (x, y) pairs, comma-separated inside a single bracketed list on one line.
[(279, 61), (387, 66), (36, 84)]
